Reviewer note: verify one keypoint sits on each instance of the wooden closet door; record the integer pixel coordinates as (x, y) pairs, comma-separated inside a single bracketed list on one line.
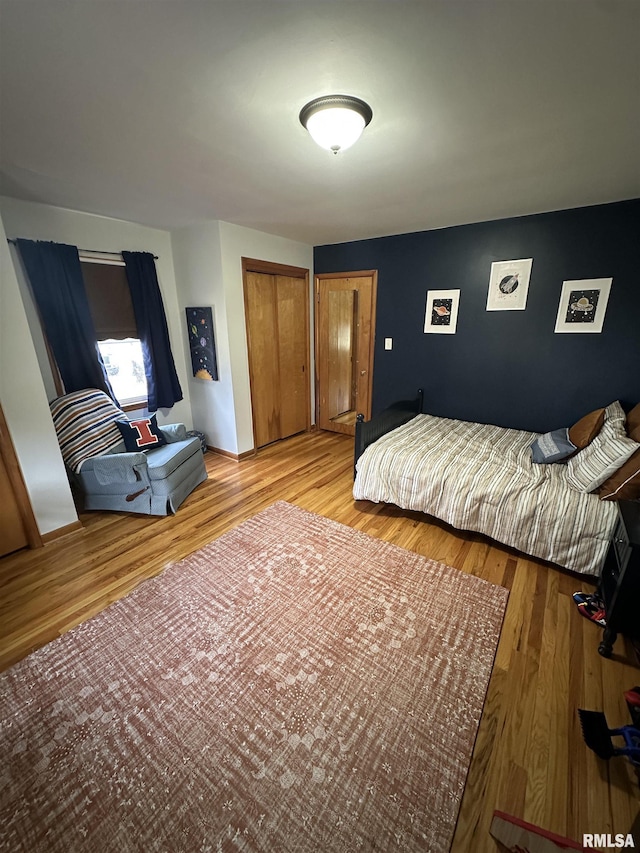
[(264, 369), (277, 318), (293, 347)]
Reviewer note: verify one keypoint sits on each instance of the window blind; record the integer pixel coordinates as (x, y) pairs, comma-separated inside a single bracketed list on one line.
[(109, 300)]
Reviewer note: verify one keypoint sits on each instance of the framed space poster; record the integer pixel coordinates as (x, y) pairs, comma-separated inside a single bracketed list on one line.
[(441, 316), (202, 345), (583, 304), (509, 285)]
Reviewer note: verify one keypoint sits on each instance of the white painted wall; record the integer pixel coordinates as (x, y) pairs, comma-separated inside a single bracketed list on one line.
[(25, 405), (87, 231), (197, 259), (208, 261), (238, 242), (199, 265)]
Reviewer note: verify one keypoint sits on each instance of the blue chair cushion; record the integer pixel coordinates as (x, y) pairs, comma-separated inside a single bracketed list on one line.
[(163, 461)]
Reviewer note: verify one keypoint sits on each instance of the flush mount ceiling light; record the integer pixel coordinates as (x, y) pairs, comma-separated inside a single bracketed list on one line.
[(335, 122)]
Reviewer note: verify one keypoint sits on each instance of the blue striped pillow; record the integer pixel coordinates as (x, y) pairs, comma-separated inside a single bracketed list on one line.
[(552, 447)]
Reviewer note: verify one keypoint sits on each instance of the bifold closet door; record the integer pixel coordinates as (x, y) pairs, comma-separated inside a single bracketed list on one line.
[(292, 301), (278, 342)]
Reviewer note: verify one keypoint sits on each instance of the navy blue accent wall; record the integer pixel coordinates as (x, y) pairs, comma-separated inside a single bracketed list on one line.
[(505, 367)]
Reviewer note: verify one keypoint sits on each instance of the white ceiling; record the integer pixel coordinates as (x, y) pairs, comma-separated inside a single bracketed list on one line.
[(170, 112)]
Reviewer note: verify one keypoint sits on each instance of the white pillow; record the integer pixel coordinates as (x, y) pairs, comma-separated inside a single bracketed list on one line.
[(608, 451)]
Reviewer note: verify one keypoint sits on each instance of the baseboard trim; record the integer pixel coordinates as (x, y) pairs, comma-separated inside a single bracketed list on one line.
[(247, 453), (74, 527), (237, 456)]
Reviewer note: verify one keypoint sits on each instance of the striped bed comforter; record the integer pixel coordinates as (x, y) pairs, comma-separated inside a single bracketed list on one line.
[(481, 477)]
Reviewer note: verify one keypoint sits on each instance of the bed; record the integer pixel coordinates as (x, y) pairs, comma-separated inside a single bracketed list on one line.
[(482, 478)]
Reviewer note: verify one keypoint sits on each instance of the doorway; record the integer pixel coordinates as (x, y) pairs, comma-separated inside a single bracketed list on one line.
[(276, 299), (345, 334)]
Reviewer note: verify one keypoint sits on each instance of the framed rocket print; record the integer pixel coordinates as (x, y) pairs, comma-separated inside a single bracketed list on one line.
[(509, 285), (202, 345), (583, 304)]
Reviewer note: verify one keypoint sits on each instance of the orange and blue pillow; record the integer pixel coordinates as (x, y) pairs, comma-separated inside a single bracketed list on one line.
[(141, 434)]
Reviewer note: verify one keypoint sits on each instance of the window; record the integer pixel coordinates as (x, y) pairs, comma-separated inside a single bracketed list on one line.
[(125, 369), (112, 312)]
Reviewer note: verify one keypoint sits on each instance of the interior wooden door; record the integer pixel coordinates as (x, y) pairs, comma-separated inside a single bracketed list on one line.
[(345, 333), (12, 533), (18, 528), (277, 321), (341, 328)]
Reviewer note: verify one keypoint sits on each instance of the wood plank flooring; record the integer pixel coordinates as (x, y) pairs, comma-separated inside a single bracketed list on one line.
[(529, 758)]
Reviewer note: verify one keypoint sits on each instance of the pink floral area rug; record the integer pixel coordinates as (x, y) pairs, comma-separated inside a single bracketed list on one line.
[(295, 686)]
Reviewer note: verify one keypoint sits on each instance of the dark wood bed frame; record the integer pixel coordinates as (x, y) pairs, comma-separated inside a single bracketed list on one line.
[(393, 416)]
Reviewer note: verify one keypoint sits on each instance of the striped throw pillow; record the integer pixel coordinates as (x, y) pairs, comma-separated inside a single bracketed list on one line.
[(608, 451)]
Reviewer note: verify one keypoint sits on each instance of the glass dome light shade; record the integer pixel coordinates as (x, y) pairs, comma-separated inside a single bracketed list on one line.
[(335, 122), (336, 128)]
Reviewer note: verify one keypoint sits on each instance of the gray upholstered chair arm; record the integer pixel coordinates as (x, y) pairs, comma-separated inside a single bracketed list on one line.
[(174, 432), (118, 468)]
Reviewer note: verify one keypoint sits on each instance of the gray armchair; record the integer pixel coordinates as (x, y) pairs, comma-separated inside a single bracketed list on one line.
[(154, 481)]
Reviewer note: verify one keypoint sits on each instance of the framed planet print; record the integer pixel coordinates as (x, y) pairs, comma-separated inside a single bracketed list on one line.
[(441, 316), (583, 304), (509, 285), (202, 345)]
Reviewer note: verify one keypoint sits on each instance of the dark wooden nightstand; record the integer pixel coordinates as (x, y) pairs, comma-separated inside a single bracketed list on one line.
[(620, 581)]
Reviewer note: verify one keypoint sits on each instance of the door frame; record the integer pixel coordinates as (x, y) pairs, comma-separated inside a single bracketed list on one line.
[(256, 265), (372, 337), (14, 473)]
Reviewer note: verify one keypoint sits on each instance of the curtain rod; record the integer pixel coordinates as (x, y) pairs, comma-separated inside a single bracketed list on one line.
[(92, 251)]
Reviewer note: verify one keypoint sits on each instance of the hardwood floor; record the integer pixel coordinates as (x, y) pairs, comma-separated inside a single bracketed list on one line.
[(529, 758)]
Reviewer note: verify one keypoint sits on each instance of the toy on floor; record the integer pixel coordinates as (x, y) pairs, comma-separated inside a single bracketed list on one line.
[(518, 836), (591, 606), (598, 736)]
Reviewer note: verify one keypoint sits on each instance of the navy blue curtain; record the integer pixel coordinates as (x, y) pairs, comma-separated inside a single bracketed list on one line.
[(55, 277), (163, 387)]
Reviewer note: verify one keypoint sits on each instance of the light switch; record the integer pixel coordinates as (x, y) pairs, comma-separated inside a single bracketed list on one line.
[(388, 343)]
